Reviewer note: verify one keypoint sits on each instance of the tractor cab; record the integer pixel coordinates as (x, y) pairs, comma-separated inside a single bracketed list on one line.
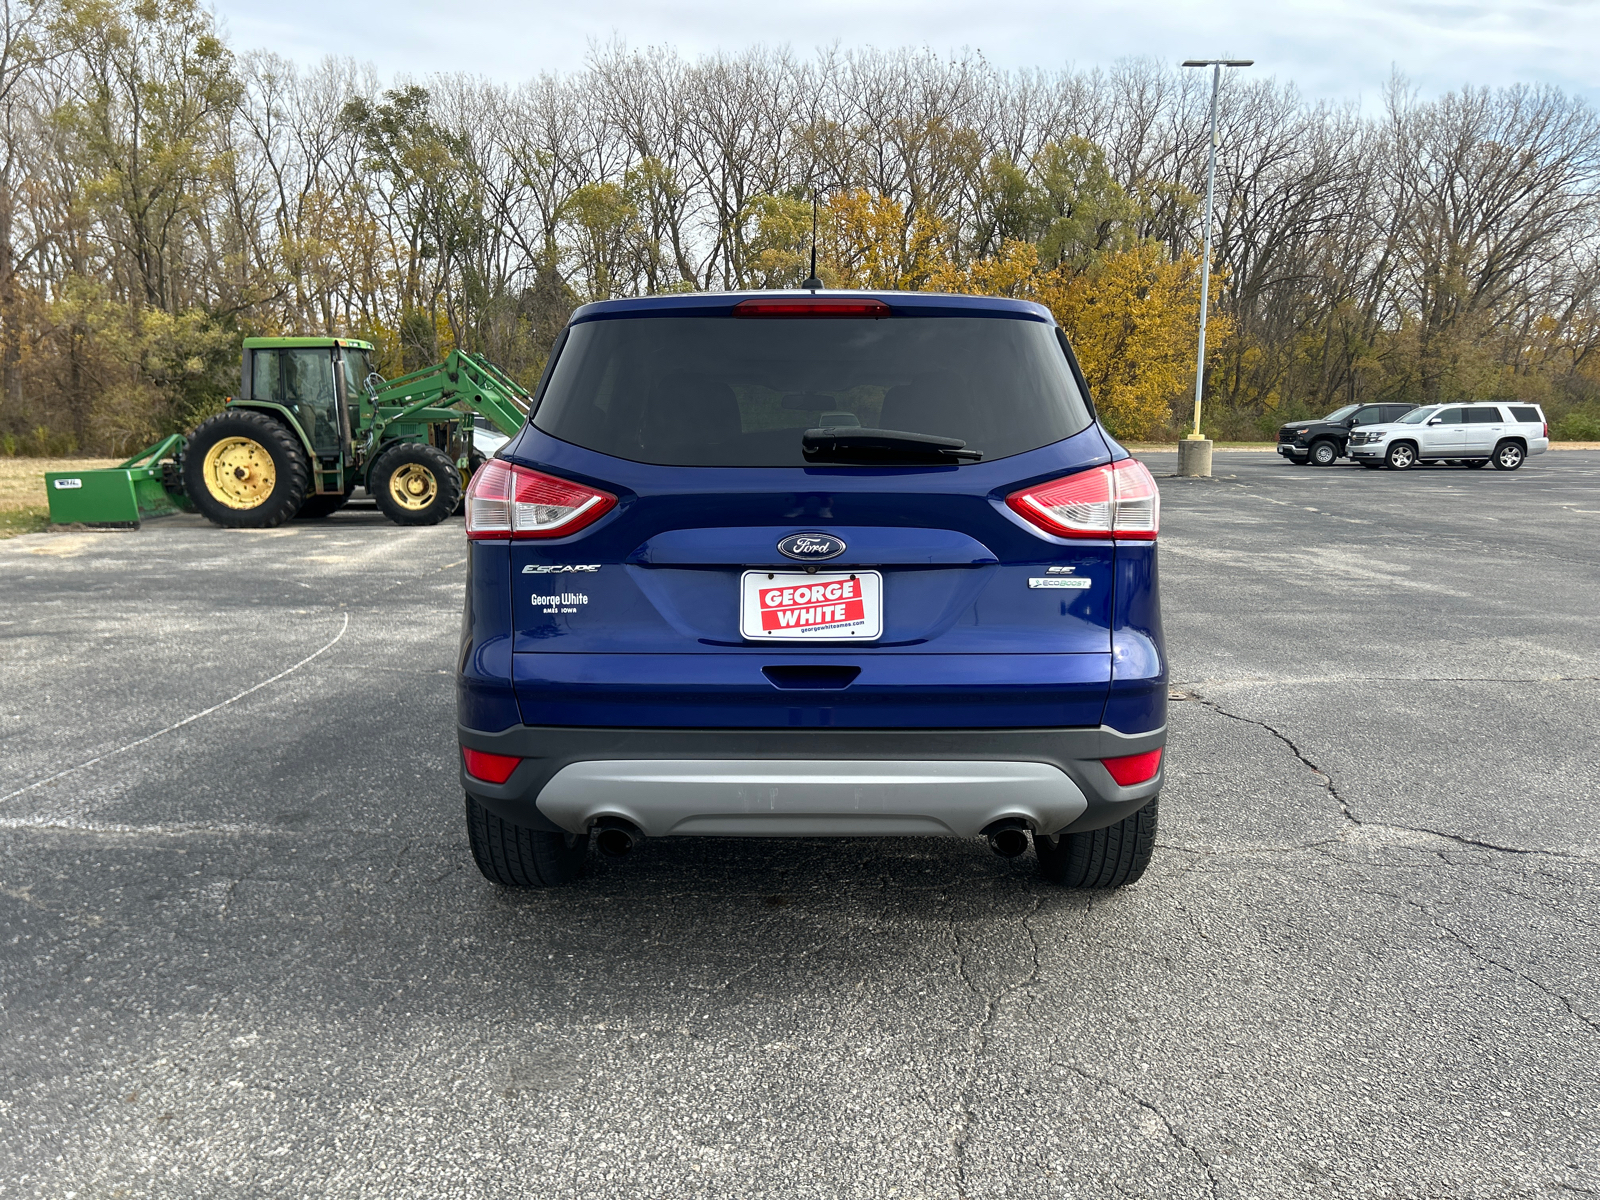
[(319, 384)]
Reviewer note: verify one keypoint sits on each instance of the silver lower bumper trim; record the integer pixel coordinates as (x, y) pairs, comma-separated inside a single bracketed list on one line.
[(805, 798)]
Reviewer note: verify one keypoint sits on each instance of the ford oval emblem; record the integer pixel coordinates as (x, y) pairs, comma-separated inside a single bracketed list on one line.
[(811, 547)]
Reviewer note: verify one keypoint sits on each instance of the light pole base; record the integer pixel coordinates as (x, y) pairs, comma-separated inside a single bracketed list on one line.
[(1194, 456)]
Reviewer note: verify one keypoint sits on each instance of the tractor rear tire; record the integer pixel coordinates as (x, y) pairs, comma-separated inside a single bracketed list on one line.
[(245, 470), (415, 484)]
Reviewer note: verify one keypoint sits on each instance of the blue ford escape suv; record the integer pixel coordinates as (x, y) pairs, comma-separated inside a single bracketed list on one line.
[(812, 564)]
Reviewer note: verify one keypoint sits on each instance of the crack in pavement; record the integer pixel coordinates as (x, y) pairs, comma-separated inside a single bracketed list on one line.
[(1172, 1131), (1349, 813), (1472, 949), (1482, 955), (982, 1032)]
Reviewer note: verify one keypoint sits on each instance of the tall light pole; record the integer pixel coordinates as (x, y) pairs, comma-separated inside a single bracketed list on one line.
[(1216, 65)]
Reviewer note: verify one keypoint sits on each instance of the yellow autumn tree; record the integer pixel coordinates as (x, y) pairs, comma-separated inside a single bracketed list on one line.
[(866, 241), (1013, 272), (1131, 315), (1132, 318)]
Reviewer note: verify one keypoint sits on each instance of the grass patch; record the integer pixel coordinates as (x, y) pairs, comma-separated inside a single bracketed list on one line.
[(23, 520), (24, 507)]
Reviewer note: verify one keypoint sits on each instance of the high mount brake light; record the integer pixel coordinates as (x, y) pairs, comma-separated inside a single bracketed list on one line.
[(1117, 500), (820, 306), (505, 500)]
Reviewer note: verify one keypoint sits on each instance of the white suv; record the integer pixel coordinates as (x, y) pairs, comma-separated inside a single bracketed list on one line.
[(1474, 434)]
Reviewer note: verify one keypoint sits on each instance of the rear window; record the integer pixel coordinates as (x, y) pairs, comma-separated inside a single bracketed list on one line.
[(724, 392), (1526, 415), (1484, 416)]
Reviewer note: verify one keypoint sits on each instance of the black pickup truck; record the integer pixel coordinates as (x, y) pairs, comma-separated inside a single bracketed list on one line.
[(1321, 442)]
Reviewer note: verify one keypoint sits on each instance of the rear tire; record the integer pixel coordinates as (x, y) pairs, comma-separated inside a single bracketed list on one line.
[(245, 470), (1101, 858), (415, 484), (1477, 463), (1323, 454), (513, 856), (1508, 456)]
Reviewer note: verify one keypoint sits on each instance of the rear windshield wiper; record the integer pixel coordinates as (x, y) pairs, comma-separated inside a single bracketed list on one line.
[(852, 444)]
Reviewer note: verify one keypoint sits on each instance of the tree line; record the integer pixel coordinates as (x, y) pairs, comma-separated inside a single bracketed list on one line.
[(163, 194)]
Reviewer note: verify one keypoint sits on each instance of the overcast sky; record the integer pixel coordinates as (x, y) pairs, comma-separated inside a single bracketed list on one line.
[(1330, 48)]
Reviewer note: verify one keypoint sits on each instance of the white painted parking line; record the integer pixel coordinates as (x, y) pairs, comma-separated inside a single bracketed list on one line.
[(205, 712)]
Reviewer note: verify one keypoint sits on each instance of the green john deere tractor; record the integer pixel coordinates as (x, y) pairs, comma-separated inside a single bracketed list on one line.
[(313, 419)]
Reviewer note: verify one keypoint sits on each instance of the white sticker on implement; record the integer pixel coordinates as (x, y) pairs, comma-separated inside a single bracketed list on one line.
[(1057, 581), (68, 483)]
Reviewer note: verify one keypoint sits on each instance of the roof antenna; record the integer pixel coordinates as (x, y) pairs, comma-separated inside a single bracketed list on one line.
[(813, 283)]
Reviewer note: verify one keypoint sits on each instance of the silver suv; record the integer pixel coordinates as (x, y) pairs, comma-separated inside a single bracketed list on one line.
[(1473, 434)]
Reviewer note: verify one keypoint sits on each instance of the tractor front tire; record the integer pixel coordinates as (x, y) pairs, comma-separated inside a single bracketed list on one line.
[(415, 484), (474, 462), (245, 470)]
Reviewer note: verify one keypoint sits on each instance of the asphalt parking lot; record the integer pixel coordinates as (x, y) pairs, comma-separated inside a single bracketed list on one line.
[(244, 951)]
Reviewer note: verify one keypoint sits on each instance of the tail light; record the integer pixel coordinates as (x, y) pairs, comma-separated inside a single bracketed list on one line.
[(491, 768), (1546, 433), (505, 500), (1134, 768), (1116, 500)]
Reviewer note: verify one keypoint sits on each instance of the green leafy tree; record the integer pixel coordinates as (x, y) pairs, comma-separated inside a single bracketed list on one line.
[(147, 119), (426, 190)]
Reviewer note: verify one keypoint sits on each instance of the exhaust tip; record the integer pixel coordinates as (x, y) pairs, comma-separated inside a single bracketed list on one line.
[(615, 838), (1009, 840)]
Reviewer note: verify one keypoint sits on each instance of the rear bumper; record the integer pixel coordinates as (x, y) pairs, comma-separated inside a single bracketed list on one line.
[(812, 782)]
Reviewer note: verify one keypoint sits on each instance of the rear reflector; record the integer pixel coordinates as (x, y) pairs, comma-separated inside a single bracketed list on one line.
[(817, 306), (505, 500), (1134, 768), (491, 768), (1116, 500)]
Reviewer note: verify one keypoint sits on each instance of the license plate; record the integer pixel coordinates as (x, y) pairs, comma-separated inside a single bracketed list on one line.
[(842, 606)]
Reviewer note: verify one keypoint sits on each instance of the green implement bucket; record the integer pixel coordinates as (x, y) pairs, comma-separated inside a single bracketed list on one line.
[(122, 496)]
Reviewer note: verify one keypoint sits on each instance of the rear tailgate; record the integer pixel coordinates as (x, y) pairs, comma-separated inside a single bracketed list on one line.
[(984, 622)]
